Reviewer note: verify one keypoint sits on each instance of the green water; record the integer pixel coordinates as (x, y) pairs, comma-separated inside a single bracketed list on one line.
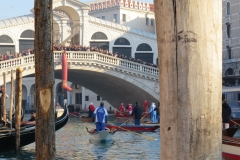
[(72, 143)]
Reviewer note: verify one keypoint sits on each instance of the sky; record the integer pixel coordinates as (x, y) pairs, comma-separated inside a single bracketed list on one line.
[(15, 8)]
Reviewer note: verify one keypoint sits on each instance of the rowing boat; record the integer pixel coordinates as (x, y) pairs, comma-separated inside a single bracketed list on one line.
[(133, 128), (230, 148), (85, 119), (105, 135), (125, 114), (150, 124), (27, 133)]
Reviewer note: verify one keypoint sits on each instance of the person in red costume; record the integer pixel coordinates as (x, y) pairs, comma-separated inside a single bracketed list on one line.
[(130, 108), (91, 110), (122, 108), (145, 105)]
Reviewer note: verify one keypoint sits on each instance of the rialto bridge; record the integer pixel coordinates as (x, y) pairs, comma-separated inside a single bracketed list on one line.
[(115, 79), (72, 24)]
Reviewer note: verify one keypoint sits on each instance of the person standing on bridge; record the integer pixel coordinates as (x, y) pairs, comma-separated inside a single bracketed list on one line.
[(101, 117)]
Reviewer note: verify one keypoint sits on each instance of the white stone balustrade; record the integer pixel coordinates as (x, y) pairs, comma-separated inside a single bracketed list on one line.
[(80, 56)]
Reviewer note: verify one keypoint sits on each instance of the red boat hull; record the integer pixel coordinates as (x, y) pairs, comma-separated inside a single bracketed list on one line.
[(134, 128), (75, 114), (230, 148), (125, 114), (234, 122)]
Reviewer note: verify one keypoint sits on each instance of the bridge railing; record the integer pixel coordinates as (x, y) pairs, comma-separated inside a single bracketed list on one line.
[(80, 55), (85, 56)]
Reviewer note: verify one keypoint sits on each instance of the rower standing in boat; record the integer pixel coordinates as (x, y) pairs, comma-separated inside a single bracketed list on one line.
[(226, 113), (153, 112), (145, 106), (122, 108), (137, 112), (101, 117), (130, 108), (91, 109)]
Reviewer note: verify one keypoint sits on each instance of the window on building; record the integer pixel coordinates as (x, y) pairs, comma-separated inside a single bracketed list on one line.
[(147, 21), (98, 98), (229, 72), (86, 98), (121, 41), (115, 18), (27, 34), (5, 39), (228, 8), (99, 36), (228, 31), (77, 86), (98, 17), (103, 99), (124, 17), (78, 98), (103, 17), (229, 52), (152, 22), (144, 47)]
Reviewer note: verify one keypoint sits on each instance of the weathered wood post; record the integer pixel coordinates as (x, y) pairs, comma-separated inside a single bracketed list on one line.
[(11, 99), (189, 34), (44, 81), (4, 100), (18, 108)]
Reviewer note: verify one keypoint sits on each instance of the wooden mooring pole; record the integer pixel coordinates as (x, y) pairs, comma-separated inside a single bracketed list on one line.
[(4, 112), (18, 108), (11, 99), (189, 35), (44, 81)]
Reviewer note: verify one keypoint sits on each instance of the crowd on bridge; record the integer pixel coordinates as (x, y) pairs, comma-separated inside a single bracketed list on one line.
[(70, 47), (9, 56), (100, 50)]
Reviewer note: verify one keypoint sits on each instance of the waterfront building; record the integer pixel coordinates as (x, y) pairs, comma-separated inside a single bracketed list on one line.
[(231, 54), (122, 27)]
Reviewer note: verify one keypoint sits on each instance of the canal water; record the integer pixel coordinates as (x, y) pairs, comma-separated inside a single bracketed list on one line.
[(72, 143)]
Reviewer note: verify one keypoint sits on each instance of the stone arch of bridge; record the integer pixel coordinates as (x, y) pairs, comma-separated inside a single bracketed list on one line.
[(114, 88)]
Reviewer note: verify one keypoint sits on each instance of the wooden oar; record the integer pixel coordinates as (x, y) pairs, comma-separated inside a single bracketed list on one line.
[(234, 122), (143, 117), (147, 137), (123, 123)]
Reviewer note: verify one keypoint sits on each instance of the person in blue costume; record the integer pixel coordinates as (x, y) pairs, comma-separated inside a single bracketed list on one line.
[(153, 112), (101, 117)]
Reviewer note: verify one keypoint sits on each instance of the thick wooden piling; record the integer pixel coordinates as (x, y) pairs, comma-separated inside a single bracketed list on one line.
[(18, 108), (11, 99), (189, 35), (4, 112), (44, 81)]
